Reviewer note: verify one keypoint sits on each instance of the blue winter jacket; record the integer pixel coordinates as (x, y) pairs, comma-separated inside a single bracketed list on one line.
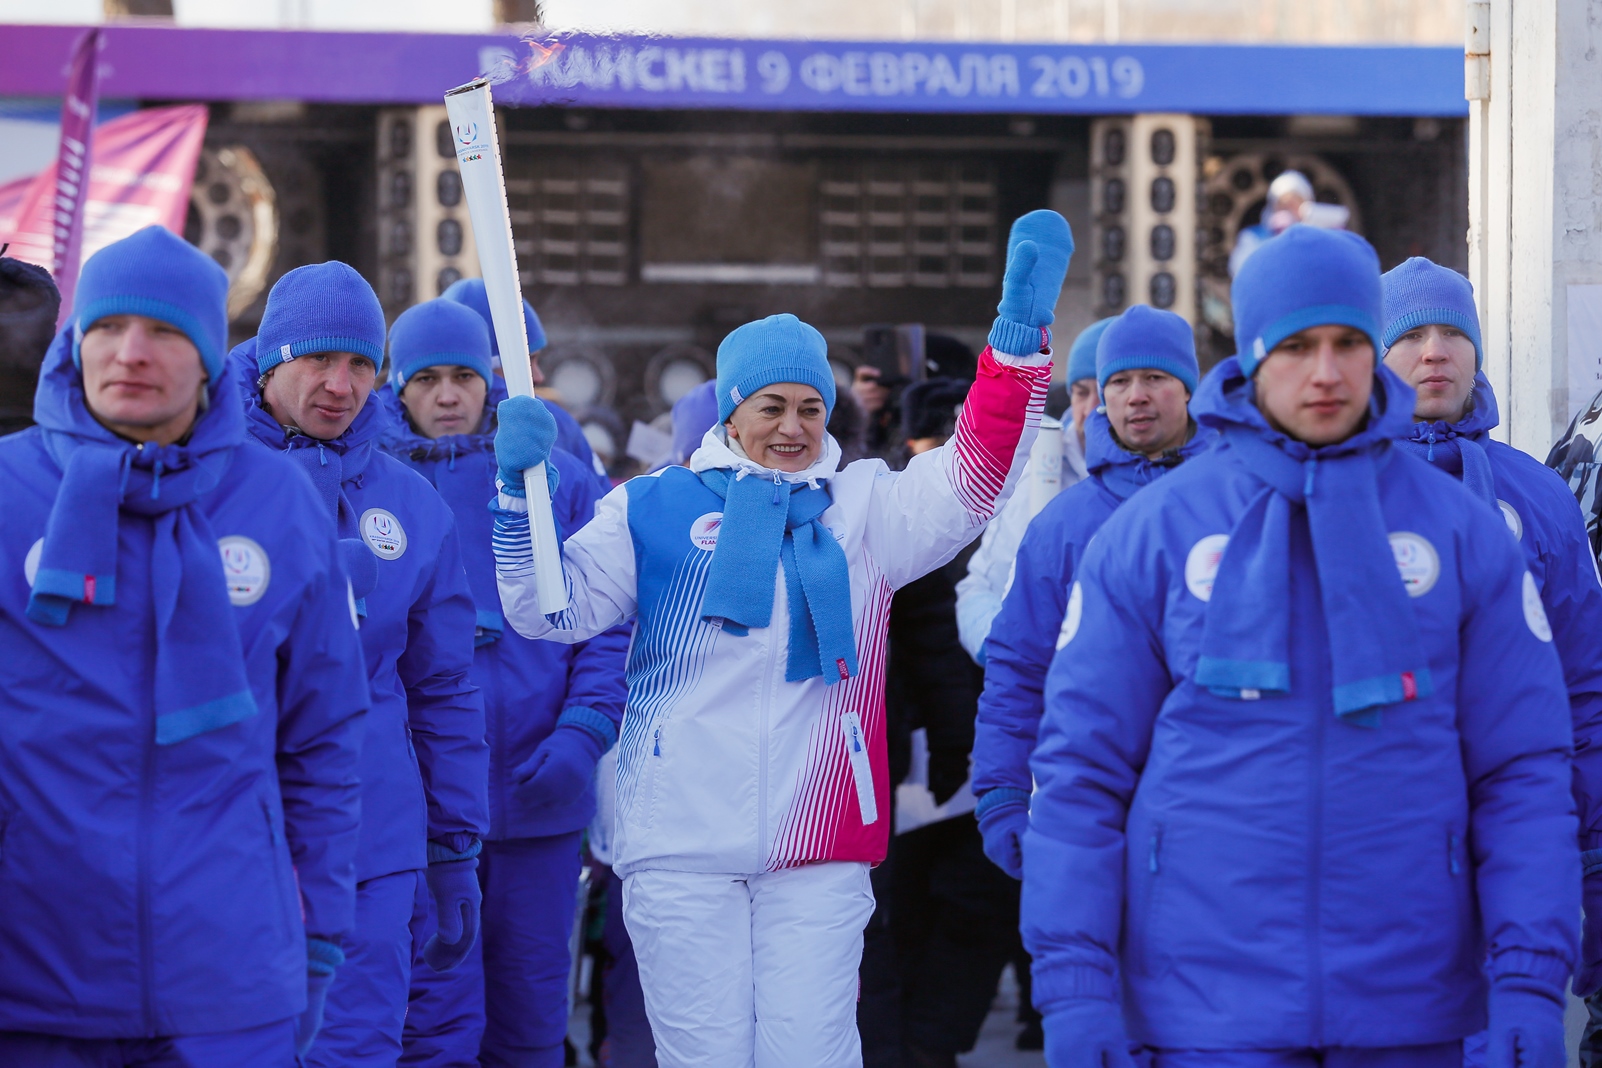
[(1546, 519), (424, 761), (1259, 873), (527, 685), (1024, 635), (151, 889)]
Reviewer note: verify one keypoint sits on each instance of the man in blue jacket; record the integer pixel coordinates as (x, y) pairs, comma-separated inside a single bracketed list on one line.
[(424, 768), (551, 709), (1303, 777), (1146, 371), (181, 699), (1432, 334)]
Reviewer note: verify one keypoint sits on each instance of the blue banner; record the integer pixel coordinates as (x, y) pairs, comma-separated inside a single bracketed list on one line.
[(939, 77)]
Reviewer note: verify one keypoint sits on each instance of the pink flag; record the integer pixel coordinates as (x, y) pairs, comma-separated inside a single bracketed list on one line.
[(142, 167), (72, 162)]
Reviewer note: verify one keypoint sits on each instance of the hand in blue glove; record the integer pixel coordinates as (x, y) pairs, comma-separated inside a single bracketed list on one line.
[(1588, 976), (1038, 250), (525, 433), (560, 769), (454, 886), (322, 958), (1002, 826), (1526, 1024), (1087, 1033)]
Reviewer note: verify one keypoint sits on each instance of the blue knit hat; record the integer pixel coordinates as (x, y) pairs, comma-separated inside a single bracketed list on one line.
[(470, 291), (1422, 293), (1082, 355), (157, 274), (1303, 278), (323, 307), (780, 348), (437, 332), (1147, 338)]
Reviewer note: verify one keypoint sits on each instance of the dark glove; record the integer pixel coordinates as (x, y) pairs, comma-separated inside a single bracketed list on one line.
[(1087, 1033), (1003, 819), (1588, 976), (525, 433), (454, 887), (1526, 1024), (322, 958), (1038, 250), (948, 770), (560, 769)]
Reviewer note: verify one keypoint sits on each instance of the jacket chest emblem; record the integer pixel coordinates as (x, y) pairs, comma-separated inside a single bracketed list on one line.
[(705, 530), (383, 533), (246, 569)]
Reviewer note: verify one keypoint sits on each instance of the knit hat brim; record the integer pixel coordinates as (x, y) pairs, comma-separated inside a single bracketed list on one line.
[(150, 308), (1422, 317), (1252, 356)]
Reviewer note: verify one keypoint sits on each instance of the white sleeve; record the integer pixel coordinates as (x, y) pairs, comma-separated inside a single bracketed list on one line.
[(598, 565), (982, 589), (920, 518)]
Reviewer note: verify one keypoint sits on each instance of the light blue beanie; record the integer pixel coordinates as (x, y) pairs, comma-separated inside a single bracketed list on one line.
[(1147, 338), (437, 332), (1422, 293), (1303, 278), (780, 348), (156, 274), (1082, 354), (323, 307), (470, 291)]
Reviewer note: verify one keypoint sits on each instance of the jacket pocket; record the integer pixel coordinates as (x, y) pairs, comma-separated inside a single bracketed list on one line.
[(276, 848), (1146, 880), (5, 822), (1459, 871)]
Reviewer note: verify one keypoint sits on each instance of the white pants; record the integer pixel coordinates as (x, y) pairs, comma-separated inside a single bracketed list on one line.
[(751, 971)]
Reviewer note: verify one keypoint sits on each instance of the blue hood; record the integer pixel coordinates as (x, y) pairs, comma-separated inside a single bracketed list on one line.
[(402, 440), (1123, 472), (1481, 418)]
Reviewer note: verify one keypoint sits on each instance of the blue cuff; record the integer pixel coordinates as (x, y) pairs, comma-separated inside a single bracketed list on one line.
[(1018, 339), (1591, 861), (1528, 967), (322, 956), (439, 853), (1071, 982), (1001, 795), (591, 722)]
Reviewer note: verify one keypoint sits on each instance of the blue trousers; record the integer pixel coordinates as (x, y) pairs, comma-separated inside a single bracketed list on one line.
[(269, 1046), (367, 1003), (506, 1004), (1444, 1055)]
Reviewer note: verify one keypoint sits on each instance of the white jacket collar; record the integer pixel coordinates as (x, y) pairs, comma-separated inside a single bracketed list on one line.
[(715, 453)]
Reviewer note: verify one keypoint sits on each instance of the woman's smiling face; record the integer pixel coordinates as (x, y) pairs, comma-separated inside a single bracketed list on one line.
[(781, 427)]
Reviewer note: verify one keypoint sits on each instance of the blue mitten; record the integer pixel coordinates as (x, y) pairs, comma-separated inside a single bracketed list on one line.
[(1038, 250), (1526, 1024), (1588, 976), (454, 887), (322, 958), (1002, 823), (1087, 1033), (525, 433), (563, 765)]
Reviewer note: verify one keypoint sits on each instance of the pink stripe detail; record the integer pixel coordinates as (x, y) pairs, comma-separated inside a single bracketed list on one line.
[(1003, 402)]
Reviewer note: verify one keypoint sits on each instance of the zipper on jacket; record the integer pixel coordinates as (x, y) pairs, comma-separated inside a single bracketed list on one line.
[(762, 743), (147, 963), (1315, 896)]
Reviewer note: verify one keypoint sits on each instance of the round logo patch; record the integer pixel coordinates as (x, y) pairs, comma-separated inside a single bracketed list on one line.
[(1416, 561), (383, 534), (1201, 565), (705, 530), (1511, 516), (1534, 611), (30, 563), (245, 569), (1070, 622)]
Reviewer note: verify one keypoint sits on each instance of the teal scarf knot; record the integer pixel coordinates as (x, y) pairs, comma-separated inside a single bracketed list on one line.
[(765, 523)]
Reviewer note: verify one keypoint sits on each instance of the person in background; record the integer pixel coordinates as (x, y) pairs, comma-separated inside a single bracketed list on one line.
[(29, 306), (990, 569), (550, 710), (1290, 201), (308, 379), (569, 435), (1303, 783), (751, 805), (1432, 338), (181, 699)]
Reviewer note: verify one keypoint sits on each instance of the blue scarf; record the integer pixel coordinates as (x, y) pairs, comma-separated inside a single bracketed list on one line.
[(200, 682), (1458, 448), (765, 521), (1373, 643), (462, 468), (329, 464), (1123, 472)]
